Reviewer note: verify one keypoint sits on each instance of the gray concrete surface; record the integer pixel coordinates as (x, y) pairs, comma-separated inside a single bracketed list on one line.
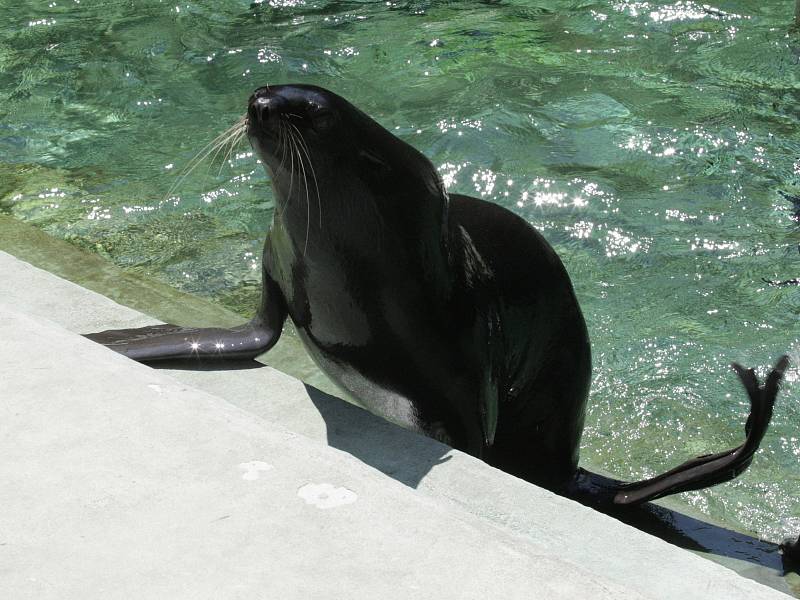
[(143, 294), (118, 480)]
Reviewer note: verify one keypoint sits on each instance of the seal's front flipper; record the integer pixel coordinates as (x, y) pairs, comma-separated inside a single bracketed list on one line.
[(711, 469), (171, 342)]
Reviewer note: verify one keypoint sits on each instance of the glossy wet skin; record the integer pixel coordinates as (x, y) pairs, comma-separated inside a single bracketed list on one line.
[(337, 205), (305, 135), (446, 314), (403, 297)]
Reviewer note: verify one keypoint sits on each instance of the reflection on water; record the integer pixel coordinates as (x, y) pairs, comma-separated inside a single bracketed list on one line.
[(655, 144)]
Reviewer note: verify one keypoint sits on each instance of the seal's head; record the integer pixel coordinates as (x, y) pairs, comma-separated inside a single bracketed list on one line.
[(276, 113), (309, 137)]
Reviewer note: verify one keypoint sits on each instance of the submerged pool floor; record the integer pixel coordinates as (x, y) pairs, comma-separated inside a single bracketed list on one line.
[(655, 144)]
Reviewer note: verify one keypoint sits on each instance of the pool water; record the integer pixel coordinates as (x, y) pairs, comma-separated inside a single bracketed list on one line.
[(655, 145)]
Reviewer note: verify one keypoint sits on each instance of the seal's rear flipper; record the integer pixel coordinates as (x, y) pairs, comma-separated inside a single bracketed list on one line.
[(711, 469), (169, 342)]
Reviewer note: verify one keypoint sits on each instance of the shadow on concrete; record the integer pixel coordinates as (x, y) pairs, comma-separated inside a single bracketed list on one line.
[(403, 455), (408, 457), (208, 364), (398, 453), (731, 548)]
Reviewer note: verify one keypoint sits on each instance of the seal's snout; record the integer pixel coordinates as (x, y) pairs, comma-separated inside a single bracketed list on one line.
[(264, 107), (260, 109)]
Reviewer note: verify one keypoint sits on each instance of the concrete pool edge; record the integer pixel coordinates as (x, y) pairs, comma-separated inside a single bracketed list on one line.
[(153, 297), (457, 484)]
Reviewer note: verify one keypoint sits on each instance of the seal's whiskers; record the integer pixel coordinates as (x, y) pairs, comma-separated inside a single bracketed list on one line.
[(233, 135), (304, 147), (296, 146), (216, 143), (234, 140), (282, 143), (291, 168), (283, 140)]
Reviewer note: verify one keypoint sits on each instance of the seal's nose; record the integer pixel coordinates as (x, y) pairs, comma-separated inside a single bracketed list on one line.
[(265, 105), (260, 108)]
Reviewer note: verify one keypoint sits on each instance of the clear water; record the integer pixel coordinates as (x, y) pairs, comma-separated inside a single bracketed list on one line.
[(648, 141)]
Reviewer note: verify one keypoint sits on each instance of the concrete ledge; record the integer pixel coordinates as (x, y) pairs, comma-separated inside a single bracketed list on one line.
[(121, 480), (156, 299)]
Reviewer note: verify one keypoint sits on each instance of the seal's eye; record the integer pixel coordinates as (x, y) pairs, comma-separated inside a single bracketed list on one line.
[(321, 118)]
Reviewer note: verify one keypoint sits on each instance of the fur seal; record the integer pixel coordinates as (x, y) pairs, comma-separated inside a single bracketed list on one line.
[(444, 313)]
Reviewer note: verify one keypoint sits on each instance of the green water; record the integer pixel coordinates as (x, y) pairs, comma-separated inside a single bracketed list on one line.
[(647, 140)]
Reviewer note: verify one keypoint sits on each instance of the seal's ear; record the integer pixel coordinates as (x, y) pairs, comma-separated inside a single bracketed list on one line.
[(373, 165)]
